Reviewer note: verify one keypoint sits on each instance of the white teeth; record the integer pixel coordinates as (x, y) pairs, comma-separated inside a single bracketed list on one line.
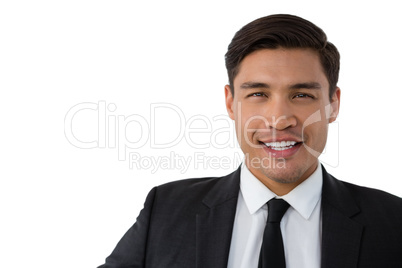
[(280, 146)]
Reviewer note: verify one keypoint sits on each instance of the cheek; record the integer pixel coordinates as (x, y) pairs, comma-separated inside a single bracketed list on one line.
[(247, 123), (316, 135), (243, 117), (252, 123), (313, 120)]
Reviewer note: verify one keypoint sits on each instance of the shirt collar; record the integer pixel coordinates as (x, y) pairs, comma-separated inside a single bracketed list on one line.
[(303, 198)]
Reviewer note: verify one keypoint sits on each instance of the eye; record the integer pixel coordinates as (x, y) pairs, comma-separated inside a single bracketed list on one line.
[(257, 94), (303, 95)]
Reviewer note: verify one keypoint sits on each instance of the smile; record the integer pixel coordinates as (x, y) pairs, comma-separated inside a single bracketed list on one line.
[(280, 145)]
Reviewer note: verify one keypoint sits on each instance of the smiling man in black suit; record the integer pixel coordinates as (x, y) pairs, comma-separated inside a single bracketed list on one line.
[(280, 208)]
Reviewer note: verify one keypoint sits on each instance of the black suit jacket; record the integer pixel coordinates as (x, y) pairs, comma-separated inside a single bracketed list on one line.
[(189, 224)]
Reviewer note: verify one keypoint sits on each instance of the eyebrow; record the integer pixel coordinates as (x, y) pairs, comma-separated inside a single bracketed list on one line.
[(306, 85), (251, 85)]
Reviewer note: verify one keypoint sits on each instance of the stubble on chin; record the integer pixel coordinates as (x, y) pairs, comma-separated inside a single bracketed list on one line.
[(283, 173), (282, 176), (274, 169)]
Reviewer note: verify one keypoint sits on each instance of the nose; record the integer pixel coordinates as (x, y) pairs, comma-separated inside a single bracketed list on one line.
[(280, 115)]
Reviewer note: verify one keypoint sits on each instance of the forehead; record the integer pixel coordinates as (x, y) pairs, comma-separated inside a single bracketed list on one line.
[(282, 66)]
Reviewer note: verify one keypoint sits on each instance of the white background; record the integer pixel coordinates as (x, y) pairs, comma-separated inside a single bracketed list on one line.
[(63, 206)]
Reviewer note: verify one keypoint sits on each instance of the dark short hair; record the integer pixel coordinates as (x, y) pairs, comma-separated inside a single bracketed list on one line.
[(285, 31)]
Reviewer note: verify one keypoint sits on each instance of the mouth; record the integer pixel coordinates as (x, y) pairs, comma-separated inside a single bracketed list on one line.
[(281, 145), (282, 149)]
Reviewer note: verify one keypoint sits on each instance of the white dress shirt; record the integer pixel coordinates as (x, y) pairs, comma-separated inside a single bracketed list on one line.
[(300, 226)]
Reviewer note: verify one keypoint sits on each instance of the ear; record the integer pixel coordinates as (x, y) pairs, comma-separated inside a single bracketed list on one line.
[(229, 101), (335, 104)]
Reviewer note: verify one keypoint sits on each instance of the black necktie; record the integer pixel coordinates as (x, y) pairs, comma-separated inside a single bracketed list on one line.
[(272, 254)]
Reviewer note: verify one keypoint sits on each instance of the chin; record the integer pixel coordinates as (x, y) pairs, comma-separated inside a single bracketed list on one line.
[(279, 178), (284, 175)]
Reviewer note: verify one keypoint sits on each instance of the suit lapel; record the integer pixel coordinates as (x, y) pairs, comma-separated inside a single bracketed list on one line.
[(341, 235), (215, 224)]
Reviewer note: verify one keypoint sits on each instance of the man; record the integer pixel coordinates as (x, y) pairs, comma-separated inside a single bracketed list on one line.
[(282, 94)]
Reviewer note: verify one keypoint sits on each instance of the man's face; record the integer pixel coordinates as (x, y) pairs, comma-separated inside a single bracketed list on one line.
[(281, 108)]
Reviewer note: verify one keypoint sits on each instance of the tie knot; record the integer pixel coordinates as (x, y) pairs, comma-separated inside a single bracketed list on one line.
[(276, 210)]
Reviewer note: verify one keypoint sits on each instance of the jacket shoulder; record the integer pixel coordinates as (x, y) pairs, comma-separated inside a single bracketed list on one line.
[(339, 190), (374, 204), (187, 188), (374, 197), (197, 192)]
